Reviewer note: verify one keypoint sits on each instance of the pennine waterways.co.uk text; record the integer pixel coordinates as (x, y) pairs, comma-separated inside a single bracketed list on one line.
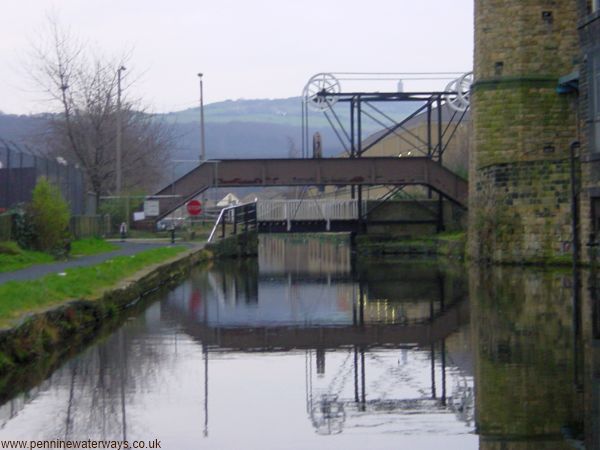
[(80, 444)]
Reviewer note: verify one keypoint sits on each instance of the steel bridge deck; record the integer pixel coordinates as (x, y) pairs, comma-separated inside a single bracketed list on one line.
[(312, 172)]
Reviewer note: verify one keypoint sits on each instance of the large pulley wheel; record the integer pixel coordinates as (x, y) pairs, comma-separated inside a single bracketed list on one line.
[(328, 415), (320, 91), (458, 92)]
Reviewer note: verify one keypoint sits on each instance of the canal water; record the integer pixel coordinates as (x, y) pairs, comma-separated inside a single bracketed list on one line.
[(309, 347)]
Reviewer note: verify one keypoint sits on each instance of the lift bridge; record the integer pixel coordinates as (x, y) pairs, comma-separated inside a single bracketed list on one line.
[(314, 215), (423, 166)]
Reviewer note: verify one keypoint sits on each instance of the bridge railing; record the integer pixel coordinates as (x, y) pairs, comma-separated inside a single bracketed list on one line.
[(234, 219), (306, 210)]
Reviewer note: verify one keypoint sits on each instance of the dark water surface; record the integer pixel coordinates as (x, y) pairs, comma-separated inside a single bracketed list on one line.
[(308, 348)]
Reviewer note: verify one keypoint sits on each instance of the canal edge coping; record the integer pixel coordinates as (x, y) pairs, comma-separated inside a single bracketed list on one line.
[(62, 327)]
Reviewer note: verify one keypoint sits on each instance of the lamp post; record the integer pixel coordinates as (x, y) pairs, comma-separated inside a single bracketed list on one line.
[(202, 138), (119, 131)]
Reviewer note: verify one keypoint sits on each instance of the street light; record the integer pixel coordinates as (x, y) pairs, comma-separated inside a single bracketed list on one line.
[(202, 138), (119, 131)]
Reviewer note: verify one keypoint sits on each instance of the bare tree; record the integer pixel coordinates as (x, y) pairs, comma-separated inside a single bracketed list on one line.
[(83, 86)]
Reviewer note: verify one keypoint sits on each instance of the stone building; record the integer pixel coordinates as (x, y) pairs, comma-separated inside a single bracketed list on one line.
[(589, 130), (535, 97), (519, 183)]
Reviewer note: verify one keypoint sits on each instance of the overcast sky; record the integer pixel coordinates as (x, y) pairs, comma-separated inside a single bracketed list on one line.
[(246, 49)]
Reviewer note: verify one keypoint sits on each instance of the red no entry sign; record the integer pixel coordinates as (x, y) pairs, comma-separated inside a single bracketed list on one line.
[(194, 207)]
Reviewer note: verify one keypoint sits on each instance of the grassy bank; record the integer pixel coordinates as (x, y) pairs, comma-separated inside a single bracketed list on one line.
[(40, 360), (19, 298), (451, 245), (40, 342), (91, 246), (197, 234), (12, 257)]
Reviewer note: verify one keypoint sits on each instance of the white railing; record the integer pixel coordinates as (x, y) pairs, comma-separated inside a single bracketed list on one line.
[(223, 217), (307, 209)]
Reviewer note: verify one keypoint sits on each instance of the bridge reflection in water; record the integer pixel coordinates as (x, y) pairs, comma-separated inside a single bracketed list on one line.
[(359, 325), (307, 342)]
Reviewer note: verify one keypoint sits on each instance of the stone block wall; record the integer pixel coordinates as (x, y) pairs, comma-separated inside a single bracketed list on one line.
[(535, 38), (519, 168), (523, 212)]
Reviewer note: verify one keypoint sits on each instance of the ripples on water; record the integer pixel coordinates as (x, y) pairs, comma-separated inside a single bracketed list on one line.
[(307, 347)]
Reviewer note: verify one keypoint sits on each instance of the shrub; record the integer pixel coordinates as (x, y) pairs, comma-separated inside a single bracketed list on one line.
[(23, 228), (9, 248), (50, 216)]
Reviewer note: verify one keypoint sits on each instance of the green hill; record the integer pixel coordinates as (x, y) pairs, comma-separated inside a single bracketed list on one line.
[(262, 128)]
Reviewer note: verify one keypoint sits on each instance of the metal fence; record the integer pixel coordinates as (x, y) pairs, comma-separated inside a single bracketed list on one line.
[(90, 226), (307, 209), (5, 227), (20, 169)]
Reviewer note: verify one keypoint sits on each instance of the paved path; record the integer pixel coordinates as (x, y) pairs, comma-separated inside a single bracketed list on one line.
[(39, 270)]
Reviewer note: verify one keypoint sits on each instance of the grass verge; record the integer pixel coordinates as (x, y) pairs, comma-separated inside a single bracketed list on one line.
[(91, 246), (20, 297), (451, 245), (199, 232), (12, 257)]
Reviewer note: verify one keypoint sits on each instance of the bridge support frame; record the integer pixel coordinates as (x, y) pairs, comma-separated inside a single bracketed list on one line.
[(355, 140)]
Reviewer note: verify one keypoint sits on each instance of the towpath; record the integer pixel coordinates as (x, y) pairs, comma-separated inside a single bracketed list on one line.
[(127, 248)]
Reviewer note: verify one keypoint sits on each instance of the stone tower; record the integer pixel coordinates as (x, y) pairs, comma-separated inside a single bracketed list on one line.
[(519, 174)]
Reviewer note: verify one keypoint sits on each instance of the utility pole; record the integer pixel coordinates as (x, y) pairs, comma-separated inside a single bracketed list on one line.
[(119, 132), (119, 157), (202, 137)]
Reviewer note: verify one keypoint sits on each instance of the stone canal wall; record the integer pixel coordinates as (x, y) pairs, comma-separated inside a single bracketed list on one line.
[(442, 246), (31, 350), (236, 246)]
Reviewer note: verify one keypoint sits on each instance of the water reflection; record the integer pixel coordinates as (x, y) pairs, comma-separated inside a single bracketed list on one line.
[(296, 287), (348, 317), (310, 348), (89, 396), (529, 391)]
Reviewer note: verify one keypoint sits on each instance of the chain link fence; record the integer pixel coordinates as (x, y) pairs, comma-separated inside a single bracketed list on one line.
[(21, 168)]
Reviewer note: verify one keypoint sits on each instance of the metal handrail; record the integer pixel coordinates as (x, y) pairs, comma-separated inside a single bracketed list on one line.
[(221, 214)]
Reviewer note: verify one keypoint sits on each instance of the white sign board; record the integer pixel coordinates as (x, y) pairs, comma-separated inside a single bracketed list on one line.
[(151, 208), (137, 216)]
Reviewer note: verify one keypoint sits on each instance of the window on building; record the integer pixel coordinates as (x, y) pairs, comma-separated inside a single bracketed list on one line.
[(595, 291), (595, 213), (595, 5)]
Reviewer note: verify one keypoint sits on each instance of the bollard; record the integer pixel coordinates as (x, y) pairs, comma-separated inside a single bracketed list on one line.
[(172, 235)]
